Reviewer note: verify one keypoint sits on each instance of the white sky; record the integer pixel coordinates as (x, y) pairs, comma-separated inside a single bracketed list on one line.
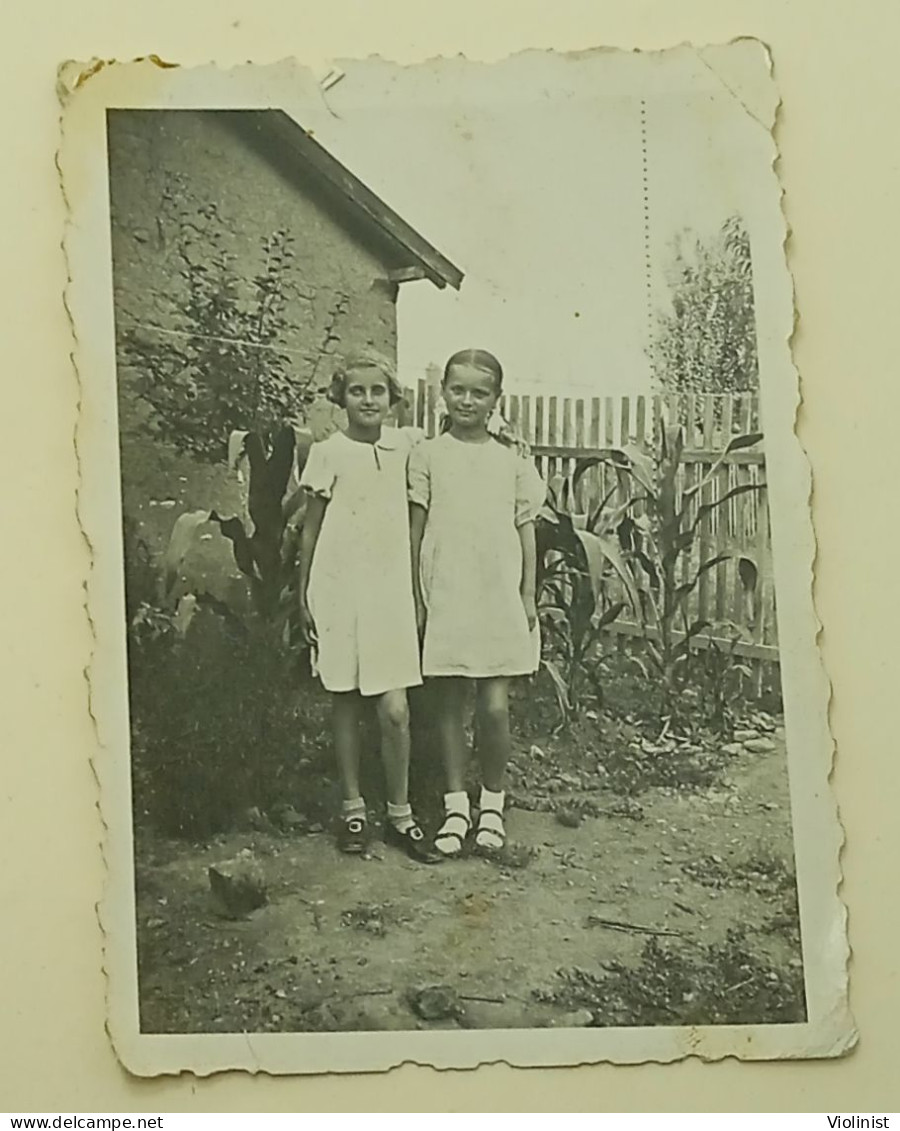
[(528, 176)]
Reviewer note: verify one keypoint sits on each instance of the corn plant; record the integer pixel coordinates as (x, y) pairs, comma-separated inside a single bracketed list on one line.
[(657, 535), (723, 675), (583, 585)]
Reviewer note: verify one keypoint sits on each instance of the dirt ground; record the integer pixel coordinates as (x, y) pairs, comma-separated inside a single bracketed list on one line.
[(557, 934)]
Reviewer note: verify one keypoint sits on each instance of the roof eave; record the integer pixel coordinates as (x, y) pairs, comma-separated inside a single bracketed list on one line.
[(401, 236)]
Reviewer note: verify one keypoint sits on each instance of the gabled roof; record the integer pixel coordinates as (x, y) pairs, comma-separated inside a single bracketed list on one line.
[(293, 148)]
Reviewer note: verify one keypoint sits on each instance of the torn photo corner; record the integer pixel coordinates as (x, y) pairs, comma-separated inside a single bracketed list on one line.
[(272, 272)]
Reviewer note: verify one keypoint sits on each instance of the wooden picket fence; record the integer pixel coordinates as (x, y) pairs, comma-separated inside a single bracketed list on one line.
[(562, 430)]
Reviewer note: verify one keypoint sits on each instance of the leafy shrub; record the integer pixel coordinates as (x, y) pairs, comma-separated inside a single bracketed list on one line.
[(225, 366), (214, 700), (141, 577), (216, 727)]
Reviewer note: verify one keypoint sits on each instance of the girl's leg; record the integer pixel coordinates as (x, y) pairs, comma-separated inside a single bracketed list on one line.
[(393, 719), (492, 710), (402, 828), (492, 713), (353, 835), (451, 702), (345, 732)]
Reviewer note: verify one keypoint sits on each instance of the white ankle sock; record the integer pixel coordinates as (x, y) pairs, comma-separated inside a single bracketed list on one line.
[(457, 803), (400, 817), (491, 833), (491, 800), (454, 828), (355, 807)]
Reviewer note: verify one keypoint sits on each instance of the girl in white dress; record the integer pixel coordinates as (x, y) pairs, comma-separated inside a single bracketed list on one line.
[(473, 501), (356, 593)]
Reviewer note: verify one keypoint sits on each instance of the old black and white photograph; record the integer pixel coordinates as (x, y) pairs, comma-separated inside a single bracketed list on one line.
[(455, 660)]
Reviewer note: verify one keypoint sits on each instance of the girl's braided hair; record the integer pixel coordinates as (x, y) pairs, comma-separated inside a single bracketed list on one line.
[(499, 427)]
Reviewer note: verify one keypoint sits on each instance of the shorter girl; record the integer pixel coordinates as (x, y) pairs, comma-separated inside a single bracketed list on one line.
[(473, 501), (356, 593)]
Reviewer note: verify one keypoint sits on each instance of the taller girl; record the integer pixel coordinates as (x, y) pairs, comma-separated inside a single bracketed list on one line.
[(474, 499)]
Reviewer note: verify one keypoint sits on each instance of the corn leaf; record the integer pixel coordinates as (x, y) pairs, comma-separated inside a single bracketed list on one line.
[(609, 614), (707, 508), (560, 687), (748, 573), (182, 538), (736, 444), (599, 551)]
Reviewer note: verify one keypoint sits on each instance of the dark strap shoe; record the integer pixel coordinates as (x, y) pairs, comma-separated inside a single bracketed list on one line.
[(353, 835), (414, 843)]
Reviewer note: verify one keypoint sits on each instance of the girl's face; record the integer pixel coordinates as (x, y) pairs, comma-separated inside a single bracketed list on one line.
[(367, 398), (471, 395)]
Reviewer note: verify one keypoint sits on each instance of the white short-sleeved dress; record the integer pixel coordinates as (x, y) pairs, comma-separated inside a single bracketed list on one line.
[(477, 495), (360, 583)]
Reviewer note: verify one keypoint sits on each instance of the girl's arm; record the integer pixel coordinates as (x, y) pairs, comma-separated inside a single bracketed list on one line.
[(529, 571), (417, 517), (309, 536)]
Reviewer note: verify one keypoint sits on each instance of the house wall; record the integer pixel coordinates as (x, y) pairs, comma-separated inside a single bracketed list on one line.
[(165, 167)]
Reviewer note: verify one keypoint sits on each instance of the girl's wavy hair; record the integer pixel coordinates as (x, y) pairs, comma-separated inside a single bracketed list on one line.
[(500, 429), (364, 359)]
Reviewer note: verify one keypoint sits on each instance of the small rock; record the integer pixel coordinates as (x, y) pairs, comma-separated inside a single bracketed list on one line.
[(732, 749), (168, 503), (153, 924), (436, 1003), (536, 752), (568, 818), (238, 886), (760, 745), (745, 735)]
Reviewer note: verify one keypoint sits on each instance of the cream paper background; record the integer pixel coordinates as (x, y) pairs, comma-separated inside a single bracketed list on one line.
[(838, 82)]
